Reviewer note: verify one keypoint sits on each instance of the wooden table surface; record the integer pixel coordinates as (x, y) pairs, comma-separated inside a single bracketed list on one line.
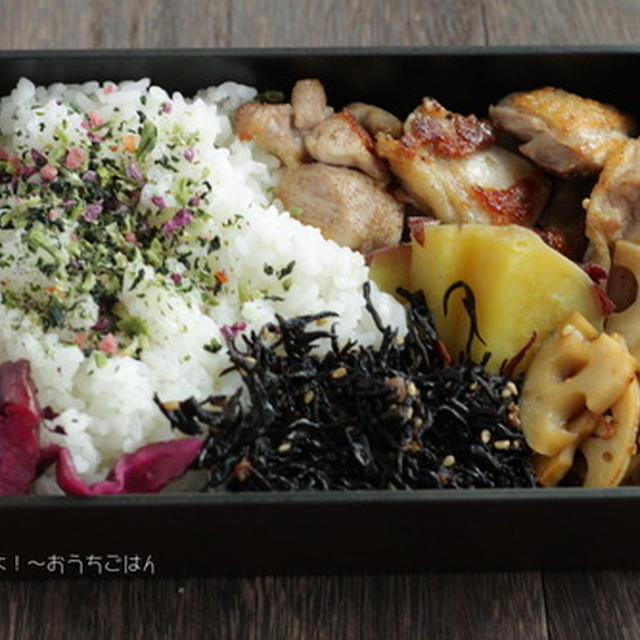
[(506, 605)]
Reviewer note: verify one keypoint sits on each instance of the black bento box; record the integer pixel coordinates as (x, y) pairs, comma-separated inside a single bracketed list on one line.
[(174, 534)]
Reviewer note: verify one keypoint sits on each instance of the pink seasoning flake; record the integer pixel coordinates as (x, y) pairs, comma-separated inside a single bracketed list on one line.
[(74, 159), (176, 277), (159, 202), (95, 119), (53, 215), (108, 344), (231, 331), (130, 237), (189, 154), (49, 172), (92, 212), (133, 172), (80, 339), (108, 88), (181, 219), (166, 107)]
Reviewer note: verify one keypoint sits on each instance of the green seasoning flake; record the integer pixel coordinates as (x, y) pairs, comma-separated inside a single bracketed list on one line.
[(148, 139), (100, 359), (133, 326), (54, 315), (213, 346)]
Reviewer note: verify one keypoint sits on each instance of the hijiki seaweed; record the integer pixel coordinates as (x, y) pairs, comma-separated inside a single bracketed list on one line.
[(401, 415)]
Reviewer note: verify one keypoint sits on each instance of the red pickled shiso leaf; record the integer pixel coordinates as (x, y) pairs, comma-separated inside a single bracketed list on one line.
[(146, 470)]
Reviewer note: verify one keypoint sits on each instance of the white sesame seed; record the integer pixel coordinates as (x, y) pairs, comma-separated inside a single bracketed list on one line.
[(340, 372), (502, 444), (485, 436), (284, 447), (449, 461)]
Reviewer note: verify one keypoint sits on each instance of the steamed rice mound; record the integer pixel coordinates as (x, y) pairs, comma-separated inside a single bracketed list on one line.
[(230, 257)]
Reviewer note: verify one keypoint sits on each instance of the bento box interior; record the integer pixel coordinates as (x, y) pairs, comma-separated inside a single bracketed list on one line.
[(351, 531), (465, 79)]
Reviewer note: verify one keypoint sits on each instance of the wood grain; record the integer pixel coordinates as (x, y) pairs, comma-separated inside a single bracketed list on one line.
[(87, 24), (454, 606), (600, 604), (562, 21)]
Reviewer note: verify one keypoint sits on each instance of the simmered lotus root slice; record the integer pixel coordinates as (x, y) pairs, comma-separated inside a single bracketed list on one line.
[(608, 443), (609, 449), (627, 322), (576, 369)]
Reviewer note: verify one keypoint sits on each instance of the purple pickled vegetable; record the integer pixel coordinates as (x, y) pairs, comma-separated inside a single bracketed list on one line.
[(19, 449), (147, 470), (19, 420), (16, 386)]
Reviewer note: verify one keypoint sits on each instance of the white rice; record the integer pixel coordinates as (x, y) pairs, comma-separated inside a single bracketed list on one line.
[(108, 410)]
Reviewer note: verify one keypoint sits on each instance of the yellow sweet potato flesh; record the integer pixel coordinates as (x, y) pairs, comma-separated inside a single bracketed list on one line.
[(521, 287)]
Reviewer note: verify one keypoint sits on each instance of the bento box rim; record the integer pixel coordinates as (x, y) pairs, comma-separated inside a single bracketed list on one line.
[(424, 497), (359, 51), (421, 497)]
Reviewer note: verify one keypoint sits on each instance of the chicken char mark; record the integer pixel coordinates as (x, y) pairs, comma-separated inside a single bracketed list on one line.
[(451, 167)]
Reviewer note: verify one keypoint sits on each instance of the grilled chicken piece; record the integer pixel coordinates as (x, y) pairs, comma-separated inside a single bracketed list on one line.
[(309, 102), (450, 166), (270, 125), (375, 120), (613, 209), (565, 133), (346, 205), (340, 140)]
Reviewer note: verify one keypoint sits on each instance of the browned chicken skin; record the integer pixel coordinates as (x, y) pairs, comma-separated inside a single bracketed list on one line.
[(451, 167), (613, 209), (309, 102), (347, 206), (564, 133), (270, 125), (340, 140), (375, 120)]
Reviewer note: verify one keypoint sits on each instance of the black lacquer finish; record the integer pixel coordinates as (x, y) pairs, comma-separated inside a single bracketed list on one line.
[(374, 531)]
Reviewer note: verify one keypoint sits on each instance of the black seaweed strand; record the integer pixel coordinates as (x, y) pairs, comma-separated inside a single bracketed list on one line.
[(388, 417)]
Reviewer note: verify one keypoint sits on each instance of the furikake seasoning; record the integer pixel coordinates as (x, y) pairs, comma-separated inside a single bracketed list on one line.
[(398, 416)]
